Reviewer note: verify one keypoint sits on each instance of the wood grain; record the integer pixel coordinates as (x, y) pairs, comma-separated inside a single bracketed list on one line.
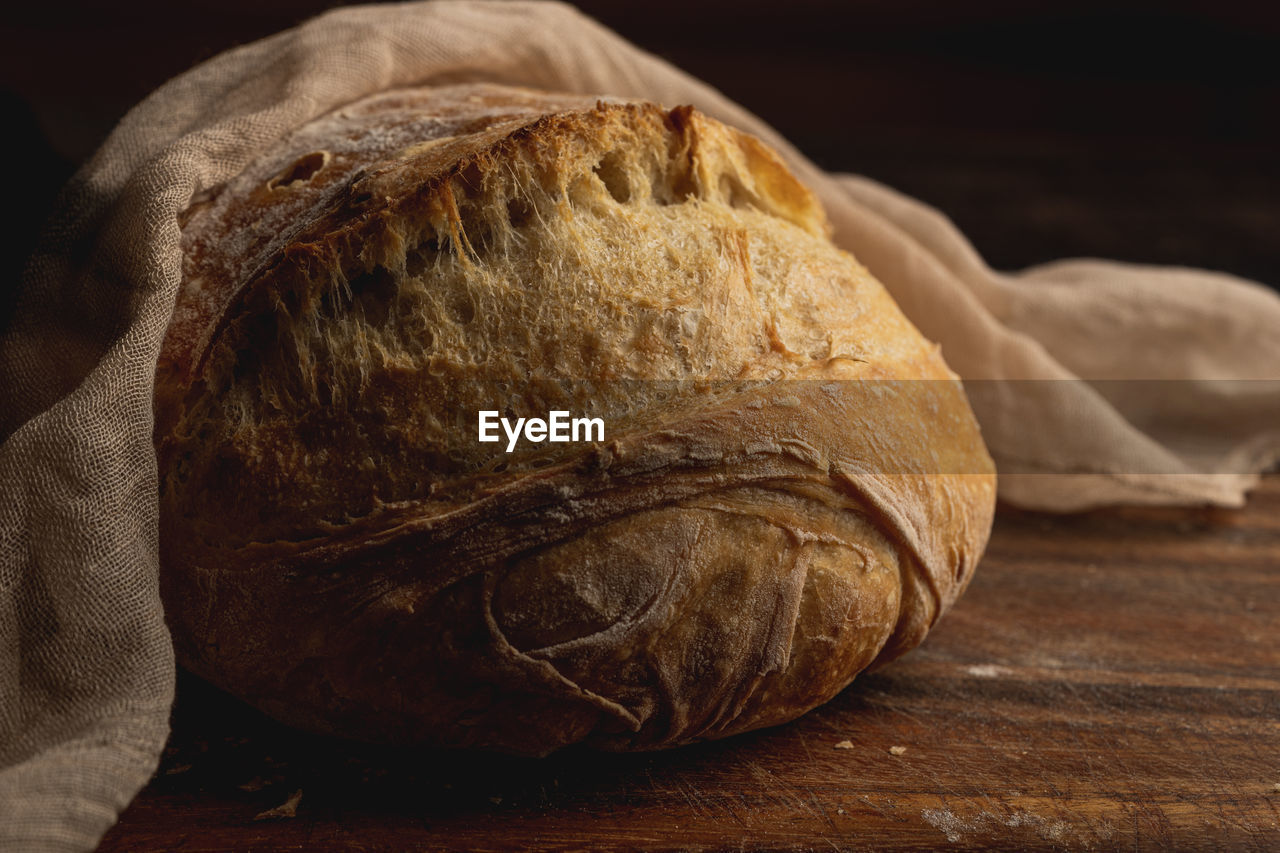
[(1110, 681)]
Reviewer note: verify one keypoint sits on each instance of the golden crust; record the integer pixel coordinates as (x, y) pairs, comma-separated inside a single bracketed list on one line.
[(793, 487)]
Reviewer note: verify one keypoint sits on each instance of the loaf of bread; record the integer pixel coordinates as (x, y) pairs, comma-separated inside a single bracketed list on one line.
[(787, 487)]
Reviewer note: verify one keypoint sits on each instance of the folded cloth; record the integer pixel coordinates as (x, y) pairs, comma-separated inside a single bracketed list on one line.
[(1095, 383)]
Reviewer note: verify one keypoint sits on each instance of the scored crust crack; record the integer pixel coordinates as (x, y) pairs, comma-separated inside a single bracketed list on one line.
[(792, 486)]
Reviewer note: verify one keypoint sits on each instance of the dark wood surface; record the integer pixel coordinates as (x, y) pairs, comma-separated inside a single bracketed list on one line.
[(1110, 681)]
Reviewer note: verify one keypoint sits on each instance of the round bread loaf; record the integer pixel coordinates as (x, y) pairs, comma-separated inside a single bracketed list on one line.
[(790, 488)]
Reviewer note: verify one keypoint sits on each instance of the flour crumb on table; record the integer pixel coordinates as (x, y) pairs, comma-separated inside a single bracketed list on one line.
[(897, 750), (844, 744)]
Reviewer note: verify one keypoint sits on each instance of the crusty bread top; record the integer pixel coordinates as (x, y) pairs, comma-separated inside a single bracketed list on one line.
[(430, 252), (362, 155)]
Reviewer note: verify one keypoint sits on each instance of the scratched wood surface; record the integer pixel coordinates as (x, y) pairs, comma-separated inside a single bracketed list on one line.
[(1109, 681)]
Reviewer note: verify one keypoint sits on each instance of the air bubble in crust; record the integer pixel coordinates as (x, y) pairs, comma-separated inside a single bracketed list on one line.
[(301, 171)]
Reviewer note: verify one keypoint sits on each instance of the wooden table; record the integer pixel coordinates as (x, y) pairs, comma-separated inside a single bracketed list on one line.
[(1109, 681)]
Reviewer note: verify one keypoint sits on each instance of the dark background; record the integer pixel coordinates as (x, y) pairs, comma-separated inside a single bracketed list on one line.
[(1144, 131)]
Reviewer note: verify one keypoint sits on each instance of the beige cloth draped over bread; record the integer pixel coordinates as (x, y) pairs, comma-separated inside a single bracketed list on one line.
[(86, 669)]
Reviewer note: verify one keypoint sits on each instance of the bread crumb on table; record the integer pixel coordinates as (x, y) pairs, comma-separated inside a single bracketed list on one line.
[(845, 744), (897, 750), (289, 808)]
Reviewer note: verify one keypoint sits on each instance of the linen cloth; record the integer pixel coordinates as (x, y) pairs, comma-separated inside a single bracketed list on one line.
[(86, 666)]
